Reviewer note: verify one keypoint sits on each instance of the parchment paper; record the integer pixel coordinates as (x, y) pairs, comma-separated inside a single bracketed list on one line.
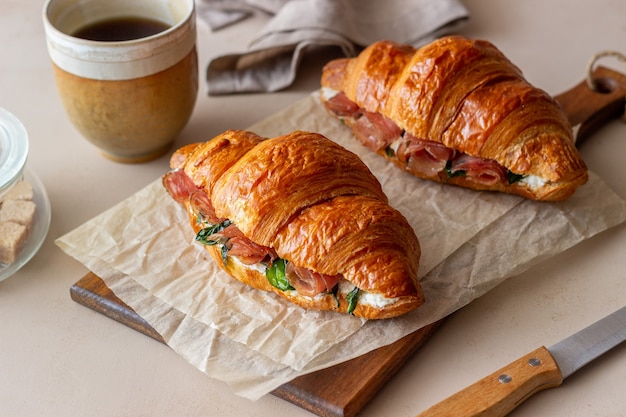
[(144, 250)]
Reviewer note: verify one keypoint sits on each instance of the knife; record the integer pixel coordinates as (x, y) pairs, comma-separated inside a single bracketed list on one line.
[(501, 392)]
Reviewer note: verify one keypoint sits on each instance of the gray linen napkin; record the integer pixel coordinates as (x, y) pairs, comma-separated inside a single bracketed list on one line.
[(221, 13), (273, 56)]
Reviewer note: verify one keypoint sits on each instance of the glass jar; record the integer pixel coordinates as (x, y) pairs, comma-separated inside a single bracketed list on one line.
[(24, 206)]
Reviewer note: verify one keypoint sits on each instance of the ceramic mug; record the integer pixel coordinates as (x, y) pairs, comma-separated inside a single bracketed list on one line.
[(131, 96)]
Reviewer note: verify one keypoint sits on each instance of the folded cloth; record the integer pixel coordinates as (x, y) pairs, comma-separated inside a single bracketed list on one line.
[(272, 59), (221, 13)]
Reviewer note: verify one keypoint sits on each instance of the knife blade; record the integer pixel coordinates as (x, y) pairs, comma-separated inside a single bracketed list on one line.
[(502, 391)]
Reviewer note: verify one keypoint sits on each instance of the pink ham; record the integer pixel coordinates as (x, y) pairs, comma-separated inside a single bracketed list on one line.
[(309, 283), (179, 185), (376, 131), (244, 249), (479, 170), (342, 106), (423, 156), (203, 208)]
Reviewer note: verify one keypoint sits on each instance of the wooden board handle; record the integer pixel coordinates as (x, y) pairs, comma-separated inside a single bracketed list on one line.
[(502, 391), (589, 109)]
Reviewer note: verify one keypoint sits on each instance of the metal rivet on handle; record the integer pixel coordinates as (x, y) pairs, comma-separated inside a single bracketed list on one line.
[(504, 378), (534, 362)]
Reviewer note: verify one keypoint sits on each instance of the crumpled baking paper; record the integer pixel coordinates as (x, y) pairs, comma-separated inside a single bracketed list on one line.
[(144, 250), (271, 61)]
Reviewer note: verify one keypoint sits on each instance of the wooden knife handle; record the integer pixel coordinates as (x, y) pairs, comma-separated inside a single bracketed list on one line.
[(501, 392), (590, 109)]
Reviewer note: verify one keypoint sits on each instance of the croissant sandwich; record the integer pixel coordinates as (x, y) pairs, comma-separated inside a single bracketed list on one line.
[(456, 111), (301, 216)]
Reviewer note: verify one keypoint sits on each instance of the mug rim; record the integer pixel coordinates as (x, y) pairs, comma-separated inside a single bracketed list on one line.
[(119, 60)]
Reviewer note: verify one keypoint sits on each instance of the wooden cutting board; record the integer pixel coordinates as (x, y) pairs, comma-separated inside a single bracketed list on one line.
[(343, 390), (339, 391)]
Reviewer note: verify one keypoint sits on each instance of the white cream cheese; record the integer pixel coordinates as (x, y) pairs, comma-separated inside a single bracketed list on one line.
[(259, 267), (368, 298), (327, 93), (376, 300), (533, 181)]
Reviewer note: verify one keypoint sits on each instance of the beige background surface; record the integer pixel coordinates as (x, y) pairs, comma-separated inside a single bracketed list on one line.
[(58, 358)]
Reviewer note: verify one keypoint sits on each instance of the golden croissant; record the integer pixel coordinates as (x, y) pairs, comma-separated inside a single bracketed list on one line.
[(456, 111), (301, 216)]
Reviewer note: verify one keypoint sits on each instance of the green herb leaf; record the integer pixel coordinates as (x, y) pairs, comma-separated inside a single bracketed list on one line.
[(389, 152), (352, 298), (513, 178), (450, 174), (276, 276), (224, 253), (204, 235)]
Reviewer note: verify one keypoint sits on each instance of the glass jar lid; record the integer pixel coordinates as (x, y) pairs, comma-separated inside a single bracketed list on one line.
[(13, 150)]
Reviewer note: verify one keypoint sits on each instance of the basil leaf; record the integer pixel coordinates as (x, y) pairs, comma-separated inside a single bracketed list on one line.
[(513, 178), (389, 152), (450, 174), (352, 298), (276, 276), (204, 235), (224, 253)]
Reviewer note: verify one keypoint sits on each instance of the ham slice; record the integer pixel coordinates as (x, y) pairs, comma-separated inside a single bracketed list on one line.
[(203, 208), (480, 170), (376, 131), (309, 283), (179, 185), (342, 106), (244, 249), (423, 156)]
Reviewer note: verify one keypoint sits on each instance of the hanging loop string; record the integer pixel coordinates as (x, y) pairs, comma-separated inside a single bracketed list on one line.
[(590, 81)]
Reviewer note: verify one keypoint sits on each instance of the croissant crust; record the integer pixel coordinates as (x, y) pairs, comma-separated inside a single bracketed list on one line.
[(317, 205), (466, 95)]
